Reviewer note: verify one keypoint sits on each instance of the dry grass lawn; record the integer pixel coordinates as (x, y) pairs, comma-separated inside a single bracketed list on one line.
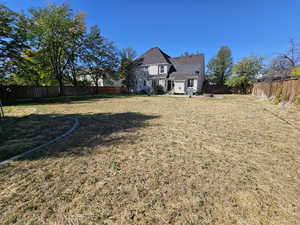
[(160, 160), (20, 132)]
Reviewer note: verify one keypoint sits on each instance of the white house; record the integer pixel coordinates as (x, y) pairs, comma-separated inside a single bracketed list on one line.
[(101, 82), (175, 75)]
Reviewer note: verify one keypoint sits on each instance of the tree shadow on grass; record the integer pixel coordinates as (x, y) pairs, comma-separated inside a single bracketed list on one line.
[(94, 130), (64, 99)]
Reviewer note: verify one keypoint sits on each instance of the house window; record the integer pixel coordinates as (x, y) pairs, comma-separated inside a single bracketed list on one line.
[(161, 69), (190, 82), (144, 83), (145, 68)]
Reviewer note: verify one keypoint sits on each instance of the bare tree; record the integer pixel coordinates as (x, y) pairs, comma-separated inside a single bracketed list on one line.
[(293, 53), (282, 65), (279, 67)]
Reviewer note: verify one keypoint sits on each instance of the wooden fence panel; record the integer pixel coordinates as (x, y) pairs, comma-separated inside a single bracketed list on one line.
[(289, 90), (223, 89), (20, 92)]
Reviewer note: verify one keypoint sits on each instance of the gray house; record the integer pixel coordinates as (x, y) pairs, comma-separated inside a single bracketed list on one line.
[(175, 75)]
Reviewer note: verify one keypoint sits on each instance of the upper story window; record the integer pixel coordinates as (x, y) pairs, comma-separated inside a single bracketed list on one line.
[(190, 82), (161, 69)]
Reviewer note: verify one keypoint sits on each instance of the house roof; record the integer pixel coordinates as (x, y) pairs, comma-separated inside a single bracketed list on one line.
[(154, 56), (189, 59), (181, 67), (187, 66)]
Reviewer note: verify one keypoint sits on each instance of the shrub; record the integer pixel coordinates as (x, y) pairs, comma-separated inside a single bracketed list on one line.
[(278, 97), (295, 71), (159, 90)]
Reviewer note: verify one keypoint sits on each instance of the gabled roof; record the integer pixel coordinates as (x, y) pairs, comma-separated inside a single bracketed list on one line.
[(189, 59), (186, 70), (183, 66), (154, 56)]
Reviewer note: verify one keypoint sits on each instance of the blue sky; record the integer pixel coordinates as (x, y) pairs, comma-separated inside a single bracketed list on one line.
[(261, 27)]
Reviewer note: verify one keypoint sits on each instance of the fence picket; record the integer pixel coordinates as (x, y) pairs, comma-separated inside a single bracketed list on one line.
[(19, 92)]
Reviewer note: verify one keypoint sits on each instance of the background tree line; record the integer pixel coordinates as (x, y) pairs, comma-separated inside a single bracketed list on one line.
[(53, 46), (222, 71)]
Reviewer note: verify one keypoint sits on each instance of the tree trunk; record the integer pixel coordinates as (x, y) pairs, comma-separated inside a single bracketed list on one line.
[(2, 112), (222, 79), (244, 89), (96, 85), (74, 80), (61, 87)]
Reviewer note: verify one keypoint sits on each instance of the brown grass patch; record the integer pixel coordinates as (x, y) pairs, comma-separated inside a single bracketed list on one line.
[(159, 160)]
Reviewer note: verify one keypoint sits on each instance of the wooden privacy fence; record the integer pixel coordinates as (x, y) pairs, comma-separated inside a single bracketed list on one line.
[(19, 92), (223, 89), (216, 89), (286, 90)]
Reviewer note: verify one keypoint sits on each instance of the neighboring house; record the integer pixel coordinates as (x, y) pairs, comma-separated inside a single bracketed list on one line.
[(175, 75), (101, 82), (113, 83)]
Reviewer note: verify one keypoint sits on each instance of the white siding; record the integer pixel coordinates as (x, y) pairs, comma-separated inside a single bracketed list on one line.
[(89, 79), (114, 83), (162, 83), (195, 85), (179, 87), (153, 70), (100, 82)]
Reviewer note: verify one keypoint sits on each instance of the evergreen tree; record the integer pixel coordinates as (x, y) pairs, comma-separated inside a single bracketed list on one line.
[(220, 66)]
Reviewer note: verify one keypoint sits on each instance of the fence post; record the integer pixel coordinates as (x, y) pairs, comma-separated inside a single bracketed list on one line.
[(2, 112)]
